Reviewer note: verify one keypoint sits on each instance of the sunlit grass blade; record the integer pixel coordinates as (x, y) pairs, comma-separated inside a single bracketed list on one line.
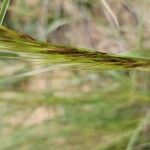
[(3, 10), (39, 70)]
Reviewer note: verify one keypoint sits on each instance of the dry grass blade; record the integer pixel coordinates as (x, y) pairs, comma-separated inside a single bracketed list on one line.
[(110, 12), (137, 132)]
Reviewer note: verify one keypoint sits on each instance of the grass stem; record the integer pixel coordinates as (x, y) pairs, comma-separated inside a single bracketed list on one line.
[(3, 10)]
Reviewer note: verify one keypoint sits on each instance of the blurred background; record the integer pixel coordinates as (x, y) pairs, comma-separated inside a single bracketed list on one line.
[(74, 109)]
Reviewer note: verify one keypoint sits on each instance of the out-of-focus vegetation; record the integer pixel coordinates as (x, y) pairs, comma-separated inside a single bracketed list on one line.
[(76, 109)]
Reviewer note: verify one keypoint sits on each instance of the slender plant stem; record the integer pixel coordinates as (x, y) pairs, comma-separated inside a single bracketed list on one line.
[(3, 10), (106, 5), (137, 132)]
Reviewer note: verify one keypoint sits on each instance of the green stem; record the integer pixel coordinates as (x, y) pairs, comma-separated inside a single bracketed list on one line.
[(3, 10)]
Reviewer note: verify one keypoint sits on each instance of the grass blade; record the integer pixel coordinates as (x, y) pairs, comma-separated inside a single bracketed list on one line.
[(137, 132), (3, 10)]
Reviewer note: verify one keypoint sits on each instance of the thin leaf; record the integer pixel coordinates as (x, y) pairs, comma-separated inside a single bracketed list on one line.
[(110, 12), (137, 132), (3, 10)]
